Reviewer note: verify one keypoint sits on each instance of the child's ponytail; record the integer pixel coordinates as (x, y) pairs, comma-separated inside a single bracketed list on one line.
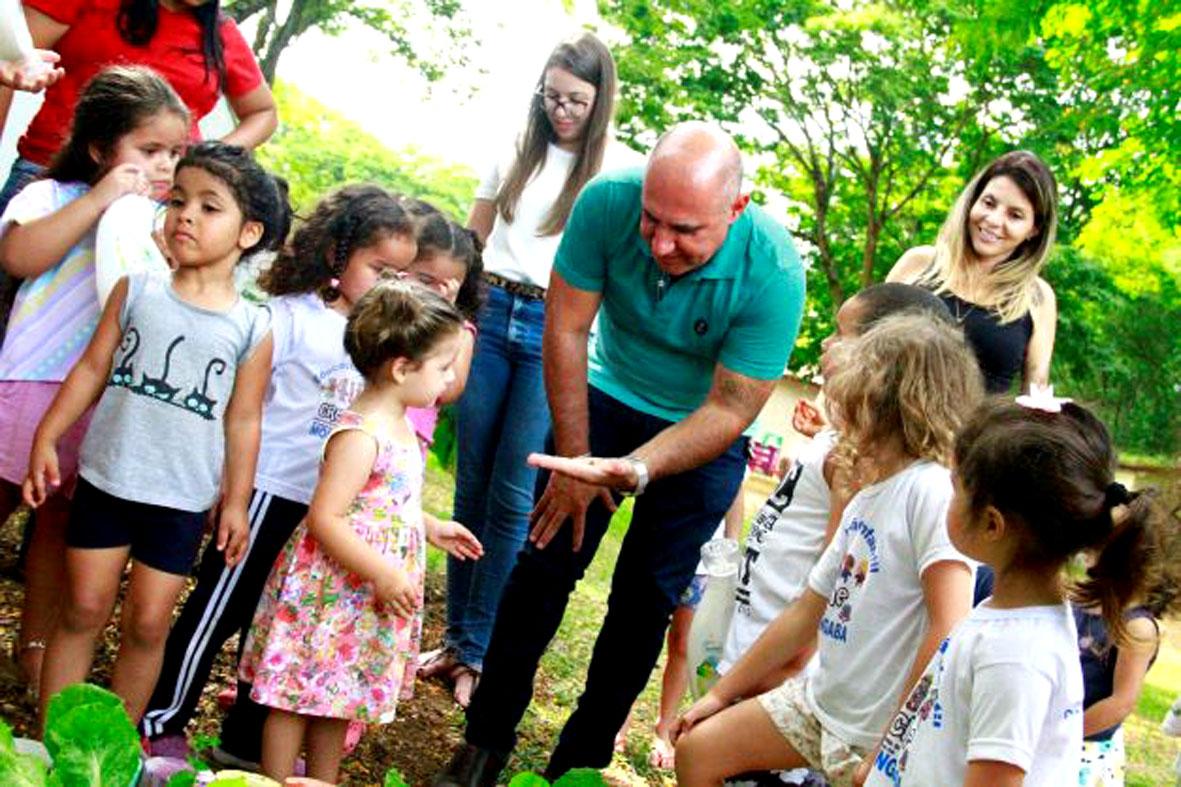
[(1050, 474), (1126, 561)]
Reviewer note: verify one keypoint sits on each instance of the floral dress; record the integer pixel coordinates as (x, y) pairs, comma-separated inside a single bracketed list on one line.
[(321, 643)]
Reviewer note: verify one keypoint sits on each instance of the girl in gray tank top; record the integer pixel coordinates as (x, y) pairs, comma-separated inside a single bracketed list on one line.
[(178, 366)]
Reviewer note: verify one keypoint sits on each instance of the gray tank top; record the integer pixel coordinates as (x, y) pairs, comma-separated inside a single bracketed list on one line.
[(157, 435)]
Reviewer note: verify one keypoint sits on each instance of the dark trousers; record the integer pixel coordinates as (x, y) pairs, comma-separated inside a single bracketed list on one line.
[(222, 603), (659, 554)]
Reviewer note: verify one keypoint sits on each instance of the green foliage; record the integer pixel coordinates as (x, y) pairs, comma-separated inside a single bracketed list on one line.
[(397, 20), (90, 737), (317, 149), (865, 120), (1117, 349), (578, 777), (393, 778), (528, 780), (16, 769)]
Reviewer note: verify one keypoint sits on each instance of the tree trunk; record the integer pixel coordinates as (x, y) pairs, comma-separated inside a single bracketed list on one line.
[(280, 38)]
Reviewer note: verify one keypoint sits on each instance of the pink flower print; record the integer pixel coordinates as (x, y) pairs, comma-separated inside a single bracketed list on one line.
[(286, 614)]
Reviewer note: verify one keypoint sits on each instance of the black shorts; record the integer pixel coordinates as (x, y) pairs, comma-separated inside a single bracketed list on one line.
[(164, 538)]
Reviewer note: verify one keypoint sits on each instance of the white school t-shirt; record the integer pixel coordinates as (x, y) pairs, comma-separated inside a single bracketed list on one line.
[(876, 617), (785, 540), (1006, 686), (312, 381), (516, 251)]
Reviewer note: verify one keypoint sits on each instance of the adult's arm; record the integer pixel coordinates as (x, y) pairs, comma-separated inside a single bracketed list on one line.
[(1040, 349), (1131, 665), (733, 402), (569, 313), (257, 116), (46, 32), (482, 217)]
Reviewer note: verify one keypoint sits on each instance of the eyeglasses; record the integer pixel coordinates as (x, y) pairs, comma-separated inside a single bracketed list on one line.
[(574, 107)]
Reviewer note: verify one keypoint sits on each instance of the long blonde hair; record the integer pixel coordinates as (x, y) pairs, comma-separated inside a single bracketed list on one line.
[(1010, 288), (909, 378)]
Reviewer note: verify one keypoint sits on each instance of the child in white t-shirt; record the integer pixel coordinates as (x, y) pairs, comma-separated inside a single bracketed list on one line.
[(888, 587), (798, 520), (1002, 701)]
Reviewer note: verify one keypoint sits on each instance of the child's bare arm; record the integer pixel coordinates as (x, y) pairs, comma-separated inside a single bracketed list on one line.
[(28, 250), (243, 428), (82, 387), (990, 773), (1131, 665)]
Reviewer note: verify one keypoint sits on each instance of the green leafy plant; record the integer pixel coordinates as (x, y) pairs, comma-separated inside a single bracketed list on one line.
[(90, 738), (18, 769), (579, 777), (393, 778)]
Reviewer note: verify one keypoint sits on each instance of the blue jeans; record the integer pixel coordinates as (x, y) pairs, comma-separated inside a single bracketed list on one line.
[(502, 417), (659, 554)]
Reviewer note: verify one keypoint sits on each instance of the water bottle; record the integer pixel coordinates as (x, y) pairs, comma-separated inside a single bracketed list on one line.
[(711, 622)]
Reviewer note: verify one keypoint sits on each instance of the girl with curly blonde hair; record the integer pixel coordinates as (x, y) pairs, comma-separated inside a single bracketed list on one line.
[(886, 590)]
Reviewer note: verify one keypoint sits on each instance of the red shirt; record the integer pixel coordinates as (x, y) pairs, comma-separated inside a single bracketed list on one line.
[(93, 41)]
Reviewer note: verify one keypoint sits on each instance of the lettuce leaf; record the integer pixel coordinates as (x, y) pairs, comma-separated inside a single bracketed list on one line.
[(91, 739)]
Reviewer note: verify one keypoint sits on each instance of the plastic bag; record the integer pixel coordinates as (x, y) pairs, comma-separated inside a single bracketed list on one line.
[(711, 622), (124, 243)]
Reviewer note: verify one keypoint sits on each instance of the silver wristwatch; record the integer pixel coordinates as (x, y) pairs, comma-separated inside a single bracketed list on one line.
[(641, 476)]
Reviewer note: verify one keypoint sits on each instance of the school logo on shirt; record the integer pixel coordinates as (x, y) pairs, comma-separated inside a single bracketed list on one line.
[(339, 386), (922, 705), (859, 562), (764, 521)]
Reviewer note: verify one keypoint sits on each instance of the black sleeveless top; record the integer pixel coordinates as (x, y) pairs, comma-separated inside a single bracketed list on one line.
[(1000, 349)]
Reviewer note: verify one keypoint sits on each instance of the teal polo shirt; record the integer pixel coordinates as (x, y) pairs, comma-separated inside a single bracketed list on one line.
[(659, 340)]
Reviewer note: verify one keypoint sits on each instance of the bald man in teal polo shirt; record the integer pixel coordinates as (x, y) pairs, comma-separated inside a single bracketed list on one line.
[(699, 296)]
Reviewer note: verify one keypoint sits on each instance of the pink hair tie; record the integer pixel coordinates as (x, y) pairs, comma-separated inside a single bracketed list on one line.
[(1041, 397)]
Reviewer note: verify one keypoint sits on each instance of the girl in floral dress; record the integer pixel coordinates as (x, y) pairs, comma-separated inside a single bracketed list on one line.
[(337, 629)]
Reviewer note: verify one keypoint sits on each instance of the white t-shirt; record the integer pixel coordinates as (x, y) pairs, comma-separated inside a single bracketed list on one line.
[(516, 251), (785, 540), (876, 617), (312, 380), (1005, 686)]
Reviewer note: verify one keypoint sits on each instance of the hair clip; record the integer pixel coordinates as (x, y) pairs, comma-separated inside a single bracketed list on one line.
[(1041, 397), (1116, 494)]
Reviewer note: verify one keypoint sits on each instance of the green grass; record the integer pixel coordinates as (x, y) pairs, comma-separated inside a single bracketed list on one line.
[(563, 670)]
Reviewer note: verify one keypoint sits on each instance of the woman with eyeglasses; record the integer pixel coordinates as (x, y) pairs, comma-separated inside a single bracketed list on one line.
[(520, 210)]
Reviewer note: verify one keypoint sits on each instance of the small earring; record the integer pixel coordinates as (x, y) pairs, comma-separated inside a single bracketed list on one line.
[(334, 283)]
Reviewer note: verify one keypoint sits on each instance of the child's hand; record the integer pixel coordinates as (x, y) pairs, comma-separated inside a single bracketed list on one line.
[(455, 539), (701, 710), (449, 289), (43, 477), (123, 179), (862, 772), (807, 418), (233, 534), (394, 588)]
